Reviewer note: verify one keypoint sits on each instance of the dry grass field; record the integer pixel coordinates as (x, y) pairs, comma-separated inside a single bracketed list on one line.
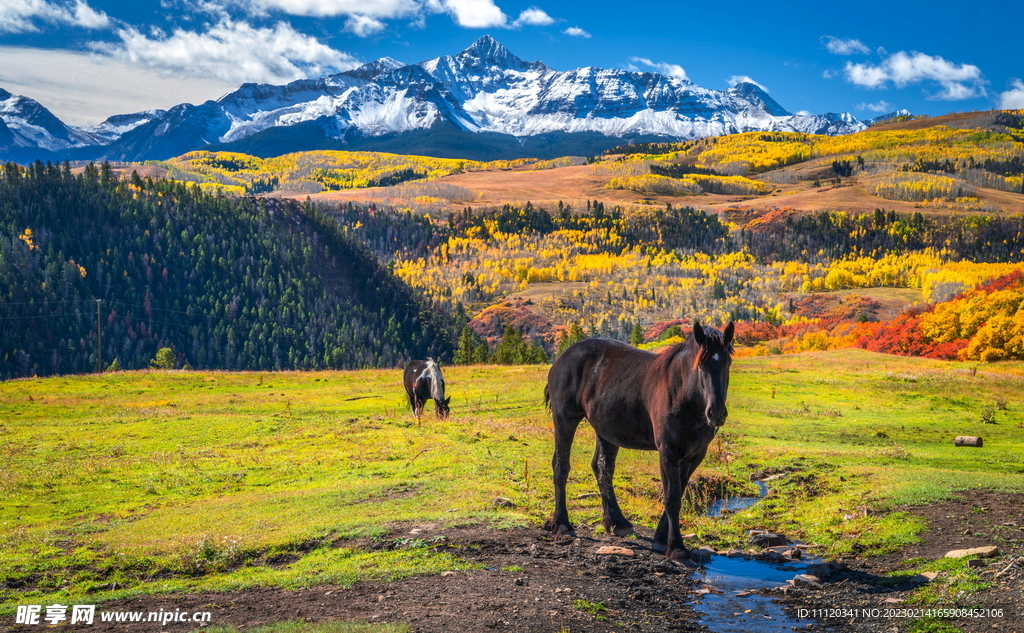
[(574, 185)]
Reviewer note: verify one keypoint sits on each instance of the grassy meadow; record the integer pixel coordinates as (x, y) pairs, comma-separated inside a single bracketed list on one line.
[(142, 482)]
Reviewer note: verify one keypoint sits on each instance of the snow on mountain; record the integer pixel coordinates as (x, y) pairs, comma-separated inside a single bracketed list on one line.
[(484, 88), (29, 124), (119, 124)]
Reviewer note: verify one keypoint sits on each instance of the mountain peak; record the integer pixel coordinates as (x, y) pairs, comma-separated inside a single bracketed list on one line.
[(372, 70), (488, 49), (755, 94)]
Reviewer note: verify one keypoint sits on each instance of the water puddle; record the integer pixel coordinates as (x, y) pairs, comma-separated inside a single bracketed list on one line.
[(724, 507), (725, 611)]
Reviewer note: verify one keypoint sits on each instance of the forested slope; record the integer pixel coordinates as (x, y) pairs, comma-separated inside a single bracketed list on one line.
[(226, 283)]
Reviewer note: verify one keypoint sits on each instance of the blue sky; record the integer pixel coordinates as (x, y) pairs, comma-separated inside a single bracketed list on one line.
[(89, 59)]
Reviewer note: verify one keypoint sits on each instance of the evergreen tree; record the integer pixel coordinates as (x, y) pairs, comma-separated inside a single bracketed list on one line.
[(164, 359), (574, 334), (472, 349), (514, 350), (636, 337)]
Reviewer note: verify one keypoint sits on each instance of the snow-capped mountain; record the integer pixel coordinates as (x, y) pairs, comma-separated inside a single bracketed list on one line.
[(27, 124), (483, 89)]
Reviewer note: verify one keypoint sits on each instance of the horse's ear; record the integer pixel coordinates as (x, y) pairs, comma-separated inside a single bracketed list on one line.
[(447, 400), (729, 331), (698, 333)]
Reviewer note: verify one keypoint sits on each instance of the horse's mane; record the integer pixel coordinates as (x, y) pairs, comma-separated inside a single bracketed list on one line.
[(436, 380)]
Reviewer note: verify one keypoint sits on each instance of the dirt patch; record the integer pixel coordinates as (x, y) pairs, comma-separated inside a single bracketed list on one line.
[(980, 519), (529, 583)]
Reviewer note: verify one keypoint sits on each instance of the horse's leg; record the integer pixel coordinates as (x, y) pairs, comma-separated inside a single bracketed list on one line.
[(674, 475), (565, 430), (604, 469), (412, 401)]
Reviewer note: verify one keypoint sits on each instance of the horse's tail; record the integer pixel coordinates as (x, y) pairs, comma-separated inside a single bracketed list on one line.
[(436, 381), (547, 398)]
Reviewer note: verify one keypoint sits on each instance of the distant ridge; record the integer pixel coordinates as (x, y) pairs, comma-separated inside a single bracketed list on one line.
[(484, 102)]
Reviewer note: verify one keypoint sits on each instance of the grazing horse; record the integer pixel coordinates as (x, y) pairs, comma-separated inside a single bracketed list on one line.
[(672, 402), (423, 381)]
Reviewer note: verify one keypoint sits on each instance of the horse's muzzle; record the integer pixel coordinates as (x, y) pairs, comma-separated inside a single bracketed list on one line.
[(716, 417)]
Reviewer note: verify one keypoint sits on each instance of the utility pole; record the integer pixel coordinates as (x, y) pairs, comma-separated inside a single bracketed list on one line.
[(99, 347)]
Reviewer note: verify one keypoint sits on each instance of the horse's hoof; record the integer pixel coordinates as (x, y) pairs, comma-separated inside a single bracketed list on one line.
[(559, 530), (624, 530), (659, 547), (682, 557), (564, 532)]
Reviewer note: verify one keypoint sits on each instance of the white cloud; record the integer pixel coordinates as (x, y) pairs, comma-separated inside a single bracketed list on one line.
[(229, 51), (19, 16), (880, 106), (364, 25), (1013, 99), (804, 113), (576, 31), (958, 81), (669, 70), (84, 89), (534, 17), (828, 73), (476, 14), (330, 8), (744, 79), (840, 46)]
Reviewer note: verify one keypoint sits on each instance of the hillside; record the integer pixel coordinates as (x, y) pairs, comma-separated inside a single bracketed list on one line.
[(975, 164), (225, 283)]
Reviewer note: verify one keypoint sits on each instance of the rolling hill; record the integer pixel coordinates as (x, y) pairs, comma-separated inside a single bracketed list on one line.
[(224, 283)]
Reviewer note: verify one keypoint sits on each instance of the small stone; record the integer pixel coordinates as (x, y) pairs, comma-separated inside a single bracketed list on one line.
[(767, 539), (519, 582), (502, 502), (892, 601), (614, 550), (447, 573), (704, 552), (589, 495), (983, 552), (806, 580), (929, 575), (791, 553), (734, 553), (975, 563), (821, 570)]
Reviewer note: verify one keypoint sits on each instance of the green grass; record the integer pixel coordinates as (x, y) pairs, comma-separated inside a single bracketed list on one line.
[(135, 483), (596, 609)]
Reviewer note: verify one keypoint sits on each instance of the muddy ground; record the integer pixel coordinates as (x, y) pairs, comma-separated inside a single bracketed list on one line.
[(531, 583), (981, 518)]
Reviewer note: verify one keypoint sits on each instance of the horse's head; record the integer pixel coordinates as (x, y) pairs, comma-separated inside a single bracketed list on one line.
[(442, 407), (711, 365)]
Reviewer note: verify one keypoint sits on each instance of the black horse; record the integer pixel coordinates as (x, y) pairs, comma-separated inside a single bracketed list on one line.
[(673, 402), (423, 381)]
